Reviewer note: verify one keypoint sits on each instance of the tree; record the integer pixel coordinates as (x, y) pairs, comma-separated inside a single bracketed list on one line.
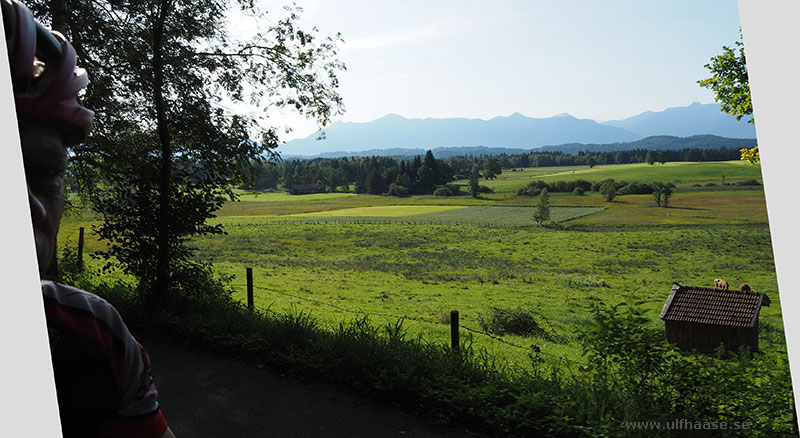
[(542, 212), (667, 193), (425, 182), (474, 184), (265, 176), (592, 161), (431, 163), (492, 168), (662, 192), (166, 150), (609, 190), (651, 157), (731, 87)]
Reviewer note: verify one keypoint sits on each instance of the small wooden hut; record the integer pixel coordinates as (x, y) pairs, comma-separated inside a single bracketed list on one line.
[(305, 189), (700, 318)]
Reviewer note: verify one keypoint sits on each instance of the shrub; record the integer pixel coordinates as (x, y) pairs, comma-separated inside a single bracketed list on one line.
[(579, 191), (484, 189), (635, 188), (748, 182), (635, 374), (397, 190), (561, 186), (447, 190), (582, 183), (597, 186), (533, 188), (609, 190), (511, 321)]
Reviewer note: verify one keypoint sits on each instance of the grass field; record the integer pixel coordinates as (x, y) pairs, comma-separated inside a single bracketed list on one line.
[(340, 255), (683, 174)]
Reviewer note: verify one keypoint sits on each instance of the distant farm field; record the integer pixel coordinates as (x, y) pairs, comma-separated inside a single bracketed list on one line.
[(683, 174), (382, 211)]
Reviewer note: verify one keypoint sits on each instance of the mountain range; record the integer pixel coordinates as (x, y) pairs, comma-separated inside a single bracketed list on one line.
[(397, 135)]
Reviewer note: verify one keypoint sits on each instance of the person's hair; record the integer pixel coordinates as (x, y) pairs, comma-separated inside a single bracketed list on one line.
[(45, 78)]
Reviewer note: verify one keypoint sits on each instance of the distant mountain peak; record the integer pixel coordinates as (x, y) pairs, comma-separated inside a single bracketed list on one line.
[(518, 131), (392, 116)]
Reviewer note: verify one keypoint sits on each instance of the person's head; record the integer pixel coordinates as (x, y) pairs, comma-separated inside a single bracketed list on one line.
[(50, 117)]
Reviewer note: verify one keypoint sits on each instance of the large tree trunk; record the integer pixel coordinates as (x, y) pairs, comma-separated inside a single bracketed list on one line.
[(59, 15), (162, 279)]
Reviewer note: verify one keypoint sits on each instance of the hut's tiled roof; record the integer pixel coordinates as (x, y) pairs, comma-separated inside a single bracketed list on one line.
[(306, 186), (713, 306)]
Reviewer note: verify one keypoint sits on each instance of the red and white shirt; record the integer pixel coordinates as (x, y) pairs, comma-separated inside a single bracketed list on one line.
[(102, 373)]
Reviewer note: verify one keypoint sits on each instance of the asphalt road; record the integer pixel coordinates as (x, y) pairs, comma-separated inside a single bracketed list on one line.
[(208, 396)]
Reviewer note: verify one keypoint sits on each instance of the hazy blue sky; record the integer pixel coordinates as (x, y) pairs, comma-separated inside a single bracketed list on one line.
[(602, 60)]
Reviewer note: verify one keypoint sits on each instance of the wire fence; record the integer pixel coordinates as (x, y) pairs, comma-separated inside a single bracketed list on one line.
[(531, 350)]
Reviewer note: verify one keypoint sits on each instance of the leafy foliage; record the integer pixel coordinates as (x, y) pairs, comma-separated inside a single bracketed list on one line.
[(731, 87), (474, 185), (662, 192), (511, 321), (609, 190), (492, 168), (638, 376), (751, 155), (729, 81), (165, 149), (542, 213)]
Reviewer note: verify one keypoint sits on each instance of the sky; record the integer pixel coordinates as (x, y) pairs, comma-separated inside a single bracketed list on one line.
[(479, 59)]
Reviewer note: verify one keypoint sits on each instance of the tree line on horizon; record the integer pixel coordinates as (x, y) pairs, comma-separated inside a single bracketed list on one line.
[(420, 176)]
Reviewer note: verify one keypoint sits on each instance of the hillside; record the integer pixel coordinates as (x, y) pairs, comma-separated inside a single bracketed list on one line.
[(396, 135)]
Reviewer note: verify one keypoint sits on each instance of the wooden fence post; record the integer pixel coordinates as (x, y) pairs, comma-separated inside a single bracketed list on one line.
[(250, 288), (80, 249), (454, 330)]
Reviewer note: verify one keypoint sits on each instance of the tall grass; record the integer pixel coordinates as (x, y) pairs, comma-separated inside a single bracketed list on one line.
[(633, 374)]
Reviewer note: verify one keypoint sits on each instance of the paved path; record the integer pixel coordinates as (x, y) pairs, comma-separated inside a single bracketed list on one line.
[(207, 396)]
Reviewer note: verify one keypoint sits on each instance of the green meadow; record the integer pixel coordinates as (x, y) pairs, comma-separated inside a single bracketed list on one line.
[(341, 255)]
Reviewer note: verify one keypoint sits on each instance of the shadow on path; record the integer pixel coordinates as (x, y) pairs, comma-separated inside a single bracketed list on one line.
[(208, 396)]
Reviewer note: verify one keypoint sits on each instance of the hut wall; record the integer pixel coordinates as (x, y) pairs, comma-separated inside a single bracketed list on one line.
[(705, 338)]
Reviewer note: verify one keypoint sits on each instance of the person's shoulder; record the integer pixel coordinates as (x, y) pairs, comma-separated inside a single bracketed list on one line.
[(73, 307), (70, 294)]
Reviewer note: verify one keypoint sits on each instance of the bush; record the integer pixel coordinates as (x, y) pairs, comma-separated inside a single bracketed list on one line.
[(397, 190), (561, 187), (635, 374), (447, 190), (585, 185), (533, 188), (635, 188), (609, 190), (749, 182), (598, 185), (484, 189), (579, 191), (511, 321)]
